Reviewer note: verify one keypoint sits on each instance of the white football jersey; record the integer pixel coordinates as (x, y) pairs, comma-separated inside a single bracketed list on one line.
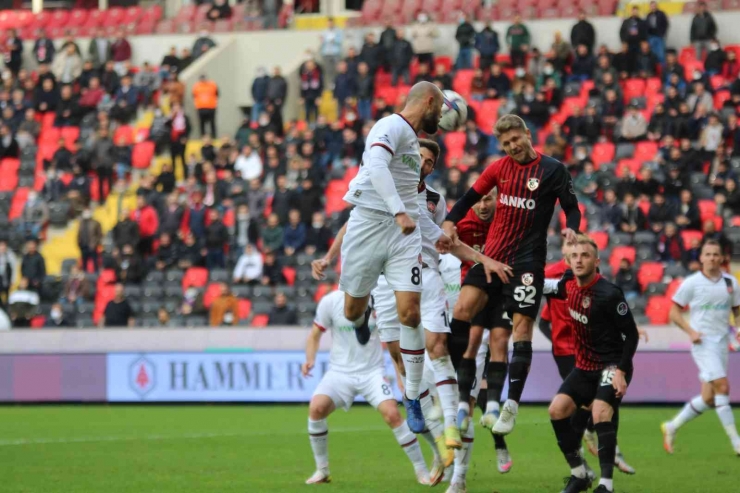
[(710, 302), (394, 134), (432, 205), (449, 268), (347, 355)]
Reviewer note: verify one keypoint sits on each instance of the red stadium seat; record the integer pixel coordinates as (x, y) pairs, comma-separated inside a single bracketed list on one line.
[(488, 115), (707, 209), (455, 143), (602, 153), (731, 4), (657, 309), (141, 157), (38, 322), (720, 97), (650, 272), (653, 85), (165, 26), (70, 135), (690, 235), (260, 320), (290, 274), (488, 14), (153, 12), (633, 165), (322, 290), (132, 14), (245, 309), (646, 150), (601, 238), (691, 65), (59, 18), (619, 253), (213, 291), (672, 288), (77, 18), (461, 82), (633, 88), (8, 18), (195, 277)]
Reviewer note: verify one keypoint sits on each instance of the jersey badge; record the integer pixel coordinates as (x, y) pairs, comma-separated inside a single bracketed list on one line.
[(431, 207), (533, 184), (527, 279), (622, 308), (357, 193), (586, 302)]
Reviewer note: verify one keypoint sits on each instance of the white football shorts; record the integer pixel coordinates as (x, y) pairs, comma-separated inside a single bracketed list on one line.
[(711, 359), (342, 388), (386, 312), (373, 244), (434, 303)]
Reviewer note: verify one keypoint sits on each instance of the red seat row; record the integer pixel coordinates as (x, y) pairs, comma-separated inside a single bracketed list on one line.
[(79, 21)]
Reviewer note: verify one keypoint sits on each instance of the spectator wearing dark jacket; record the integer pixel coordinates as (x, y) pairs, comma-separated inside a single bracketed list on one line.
[(13, 52), (660, 213), (68, 110), (365, 91), (670, 246), (167, 253), (703, 30), (487, 44), (259, 93), (273, 235), (194, 218), (499, 84), (272, 271), (372, 53), (33, 266), (399, 57), (633, 219), (345, 84), (657, 29), (465, 37), (714, 63), (43, 48), (130, 267), (126, 232), (626, 279), (283, 199), (311, 88), (295, 233), (281, 313), (633, 31), (583, 64), (318, 235), (216, 239), (688, 216), (170, 218), (89, 239), (583, 33), (646, 63), (190, 253)]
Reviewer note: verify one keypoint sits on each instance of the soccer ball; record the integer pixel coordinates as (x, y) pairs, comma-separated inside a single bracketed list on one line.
[(454, 111)]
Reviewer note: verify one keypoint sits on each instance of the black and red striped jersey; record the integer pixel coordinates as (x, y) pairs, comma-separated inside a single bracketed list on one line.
[(472, 231), (606, 333), (527, 194)]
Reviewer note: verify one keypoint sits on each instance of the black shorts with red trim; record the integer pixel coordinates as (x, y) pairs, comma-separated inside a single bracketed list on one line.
[(522, 295)]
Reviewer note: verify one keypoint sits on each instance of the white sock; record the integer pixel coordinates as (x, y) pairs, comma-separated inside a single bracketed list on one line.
[(434, 427), (692, 410), (493, 406), (462, 456), (609, 483), (410, 445), (724, 411), (579, 472), (318, 433), (412, 349), (449, 394)]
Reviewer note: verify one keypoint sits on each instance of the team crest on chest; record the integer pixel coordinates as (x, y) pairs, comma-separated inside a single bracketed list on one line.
[(527, 279), (586, 302), (431, 206), (533, 184)]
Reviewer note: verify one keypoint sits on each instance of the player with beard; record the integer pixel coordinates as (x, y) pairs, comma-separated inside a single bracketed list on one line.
[(382, 235), (529, 184), (606, 341)]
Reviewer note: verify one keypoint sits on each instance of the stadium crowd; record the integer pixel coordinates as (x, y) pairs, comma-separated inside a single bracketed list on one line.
[(226, 235)]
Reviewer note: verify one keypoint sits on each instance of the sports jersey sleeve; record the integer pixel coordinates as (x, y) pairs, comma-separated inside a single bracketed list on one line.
[(323, 314), (382, 149), (441, 211), (625, 323), (429, 229), (682, 297), (568, 201), (558, 288), (482, 186), (387, 137), (735, 293)]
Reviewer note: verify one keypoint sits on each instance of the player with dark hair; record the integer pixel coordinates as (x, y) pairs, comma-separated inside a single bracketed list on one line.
[(529, 184), (606, 341)]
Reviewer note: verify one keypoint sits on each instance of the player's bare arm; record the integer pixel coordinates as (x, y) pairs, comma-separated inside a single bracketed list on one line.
[(312, 347), (318, 266), (676, 316)]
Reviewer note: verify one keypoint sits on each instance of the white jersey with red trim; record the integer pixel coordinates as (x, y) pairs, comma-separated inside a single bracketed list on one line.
[(711, 302), (347, 355), (432, 205), (394, 134)]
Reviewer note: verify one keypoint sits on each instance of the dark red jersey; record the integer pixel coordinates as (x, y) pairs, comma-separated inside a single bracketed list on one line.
[(556, 311), (606, 333), (527, 194), (472, 231)]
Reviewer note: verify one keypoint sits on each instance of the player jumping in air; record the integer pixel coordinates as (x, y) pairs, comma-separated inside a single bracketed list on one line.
[(557, 325), (382, 236), (710, 295), (529, 184), (354, 369), (606, 341)]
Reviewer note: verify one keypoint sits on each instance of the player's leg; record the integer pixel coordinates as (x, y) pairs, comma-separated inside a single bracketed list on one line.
[(721, 389), (434, 420), (462, 461), (445, 382), (473, 298), (619, 459), (603, 412), (496, 375), (466, 372)]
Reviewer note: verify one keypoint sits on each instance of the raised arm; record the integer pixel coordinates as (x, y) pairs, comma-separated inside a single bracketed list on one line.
[(312, 347)]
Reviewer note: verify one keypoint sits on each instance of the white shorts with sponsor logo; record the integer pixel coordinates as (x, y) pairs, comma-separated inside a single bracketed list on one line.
[(342, 388), (386, 312), (374, 244), (480, 365), (711, 359), (434, 303)]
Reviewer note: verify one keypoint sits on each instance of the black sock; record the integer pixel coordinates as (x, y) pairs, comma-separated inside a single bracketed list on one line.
[(496, 377), (615, 420), (457, 343), (607, 448), (498, 441), (590, 424), (519, 369), (482, 399), (568, 441), (580, 420), (466, 378)]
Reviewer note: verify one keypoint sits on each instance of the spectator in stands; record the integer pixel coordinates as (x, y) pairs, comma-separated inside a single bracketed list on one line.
[(68, 111), (7, 266), (465, 37), (190, 252), (201, 45), (187, 58), (712, 137), (646, 63), (499, 84), (246, 228), (583, 33), (586, 184), (281, 313), (633, 127), (312, 87), (219, 10), (35, 215), (28, 130), (126, 231), (33, 266), (89, 240), (488, 46), (225, 308), (118, 311), (400, 55), (442, 79), (13, 52), (345, 85), (77, 288), (633, 219), (372, 53), (657, 29), (100, 49), (167, 253), (8, 145), (688, 212), (518, 39), (260, 85), (294, 238), (633, 30), (716, 58), (67, 65), (272, 270), (365, 91), (423, 33), (57, 317), (422, 75), (478, 86), (277, 89), (23, 304), (731, 68), (205, 100), (660, 213), (121, 53), (455, 186), (256, 199), (703, 30), (626, 279), (171, 217), (612, 110), (583, 64), (163, 317), (248, 268), (270, 13), (195, 216), (331, 50), (562, 52), (148, 223), (109, 79), (273, 235), (670, 246), (216, 240), (129, 266), (248, 164), (709, 228), (170, 63), (43, 48), (318, 235)]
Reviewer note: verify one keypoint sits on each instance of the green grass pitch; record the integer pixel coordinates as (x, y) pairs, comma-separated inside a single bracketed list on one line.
[(261, 449)]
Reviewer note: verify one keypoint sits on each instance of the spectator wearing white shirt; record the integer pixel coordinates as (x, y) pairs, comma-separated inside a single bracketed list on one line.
[(248, 269), (23, 304), (248, 164)]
